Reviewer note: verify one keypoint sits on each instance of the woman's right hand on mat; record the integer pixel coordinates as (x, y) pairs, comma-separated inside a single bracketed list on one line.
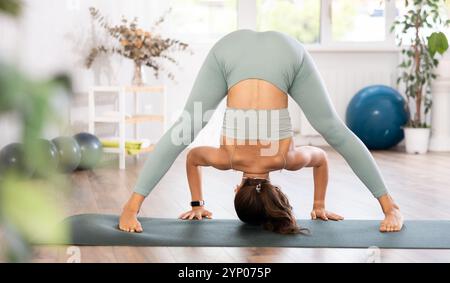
[(321, 213), (196, 213)]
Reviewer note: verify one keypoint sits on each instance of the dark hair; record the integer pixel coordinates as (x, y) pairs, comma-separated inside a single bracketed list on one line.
[(258, 202)]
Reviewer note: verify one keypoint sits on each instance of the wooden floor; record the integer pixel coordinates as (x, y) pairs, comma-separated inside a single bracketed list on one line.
[(420, 184)]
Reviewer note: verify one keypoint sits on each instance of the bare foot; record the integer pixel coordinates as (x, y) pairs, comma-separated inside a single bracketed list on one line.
[(393, 221), (129, 223)]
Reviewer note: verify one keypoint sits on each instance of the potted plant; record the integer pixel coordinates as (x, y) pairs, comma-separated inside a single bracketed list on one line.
[(143, 47), (418, 33)]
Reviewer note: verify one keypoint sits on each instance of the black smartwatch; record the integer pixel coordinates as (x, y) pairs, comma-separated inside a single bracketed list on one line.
[(198, 203)]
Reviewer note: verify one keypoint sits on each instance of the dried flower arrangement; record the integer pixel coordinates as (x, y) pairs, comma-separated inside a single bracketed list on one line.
[(141, 46)]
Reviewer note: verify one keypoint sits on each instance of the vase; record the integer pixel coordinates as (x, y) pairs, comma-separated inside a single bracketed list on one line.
[(138, 77), (104, 72), (417, 140)]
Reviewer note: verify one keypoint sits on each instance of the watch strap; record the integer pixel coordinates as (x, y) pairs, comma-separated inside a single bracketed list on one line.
[(198, 203)]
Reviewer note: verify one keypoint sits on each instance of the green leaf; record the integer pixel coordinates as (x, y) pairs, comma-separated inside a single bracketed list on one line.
[(11, 7), (13, 86), (437, 43), (27, 206)]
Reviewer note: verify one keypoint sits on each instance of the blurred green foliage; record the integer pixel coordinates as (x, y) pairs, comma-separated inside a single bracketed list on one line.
[(23, 204), (28, 214), (12, 7), (31, 100), (29, 206)]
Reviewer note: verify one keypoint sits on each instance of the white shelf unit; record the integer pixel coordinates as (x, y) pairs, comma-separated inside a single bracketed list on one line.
[(122, 119)]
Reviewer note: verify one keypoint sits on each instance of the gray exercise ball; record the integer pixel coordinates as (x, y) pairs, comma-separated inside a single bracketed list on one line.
[(91, 150), (69, 153)]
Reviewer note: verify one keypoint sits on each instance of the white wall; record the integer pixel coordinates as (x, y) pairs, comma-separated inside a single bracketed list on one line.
[(55, 35), (345, 72)]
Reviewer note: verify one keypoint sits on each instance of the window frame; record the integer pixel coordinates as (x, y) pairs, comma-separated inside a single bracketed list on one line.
[(247, 19)]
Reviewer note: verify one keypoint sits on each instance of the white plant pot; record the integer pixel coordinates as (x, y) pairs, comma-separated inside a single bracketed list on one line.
[(417, 140)]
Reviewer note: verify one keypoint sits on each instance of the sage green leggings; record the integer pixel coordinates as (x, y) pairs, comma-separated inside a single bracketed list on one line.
[(280, 60)]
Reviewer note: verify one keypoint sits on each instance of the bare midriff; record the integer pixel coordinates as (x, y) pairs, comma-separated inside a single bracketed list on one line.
[(256, 94), (257, 157)]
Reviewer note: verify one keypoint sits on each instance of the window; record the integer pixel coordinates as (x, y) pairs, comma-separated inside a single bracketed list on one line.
[(362, 21), (325, 22), (203, 17), (298, 18)]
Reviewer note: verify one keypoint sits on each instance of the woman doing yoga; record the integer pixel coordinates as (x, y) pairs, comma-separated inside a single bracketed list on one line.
[(257, 139), (256, 72)]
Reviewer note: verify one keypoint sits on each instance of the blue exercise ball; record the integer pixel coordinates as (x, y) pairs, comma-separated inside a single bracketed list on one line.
[(377, 115)]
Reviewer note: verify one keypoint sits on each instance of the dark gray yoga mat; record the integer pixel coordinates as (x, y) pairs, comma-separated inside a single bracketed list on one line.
[(101, 230)]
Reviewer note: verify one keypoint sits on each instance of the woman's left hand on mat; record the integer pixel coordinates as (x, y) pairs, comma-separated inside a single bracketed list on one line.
[(196, 213), (325, 215)]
